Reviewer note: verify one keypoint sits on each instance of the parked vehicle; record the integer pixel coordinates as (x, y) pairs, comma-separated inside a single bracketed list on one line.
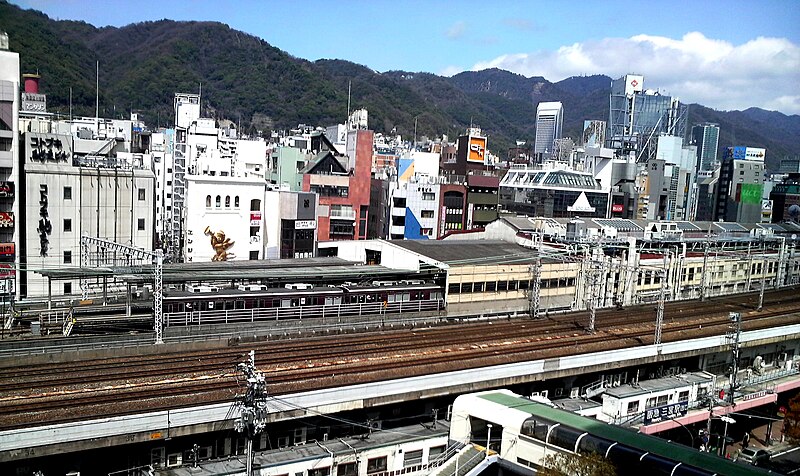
[(754, 456)]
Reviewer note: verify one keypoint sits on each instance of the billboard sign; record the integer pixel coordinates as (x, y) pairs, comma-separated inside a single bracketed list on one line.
[(634, 84), (305, 224), (7, 249), (43, 147), (477, 149), (666, 412), (617, 208), (750, 193), (255, 218)]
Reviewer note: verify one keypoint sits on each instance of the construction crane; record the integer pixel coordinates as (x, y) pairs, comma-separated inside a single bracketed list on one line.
[(156, 257)]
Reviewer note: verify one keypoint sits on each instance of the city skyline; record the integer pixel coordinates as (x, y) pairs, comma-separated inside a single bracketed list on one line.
[(691, 53)]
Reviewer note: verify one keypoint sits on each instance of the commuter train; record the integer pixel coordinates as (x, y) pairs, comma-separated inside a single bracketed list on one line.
[(204, 304), (524, 432)]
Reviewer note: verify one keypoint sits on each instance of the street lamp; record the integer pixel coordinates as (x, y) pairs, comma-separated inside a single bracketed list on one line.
[(488, 438), (727, 420)]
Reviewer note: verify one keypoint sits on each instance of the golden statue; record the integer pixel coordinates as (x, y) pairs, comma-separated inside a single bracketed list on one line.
[(220, 245)]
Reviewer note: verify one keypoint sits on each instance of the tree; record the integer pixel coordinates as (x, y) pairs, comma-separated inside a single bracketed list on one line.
[(574, 464), (791, 422)]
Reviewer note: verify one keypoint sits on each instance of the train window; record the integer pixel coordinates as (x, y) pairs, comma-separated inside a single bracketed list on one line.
[(565, 437), (466, 288), (347, 469), (295, 302), (286, 303), (303, 301), (535, 429), (376, 465), (326, 471), (240, 304), (229, 305), (454, 288), (337, 300), (406, 297), (593, 444)]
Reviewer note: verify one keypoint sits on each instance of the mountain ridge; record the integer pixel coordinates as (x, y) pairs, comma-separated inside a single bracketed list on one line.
[(247, 80)]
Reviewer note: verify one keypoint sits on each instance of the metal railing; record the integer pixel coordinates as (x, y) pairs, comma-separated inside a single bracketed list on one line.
[(323, 312)]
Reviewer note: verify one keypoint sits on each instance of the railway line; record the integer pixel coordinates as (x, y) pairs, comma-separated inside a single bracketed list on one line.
[(90, 389)]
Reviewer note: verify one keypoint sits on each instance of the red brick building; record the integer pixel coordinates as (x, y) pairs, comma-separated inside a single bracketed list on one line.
[(343, 185)]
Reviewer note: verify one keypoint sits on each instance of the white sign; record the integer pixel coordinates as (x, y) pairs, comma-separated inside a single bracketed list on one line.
[(581, 204), (633, 84), (305, 224)]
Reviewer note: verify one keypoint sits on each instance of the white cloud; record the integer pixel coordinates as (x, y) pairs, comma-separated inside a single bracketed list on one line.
[(764, 72), (456, 30), (450, 70)]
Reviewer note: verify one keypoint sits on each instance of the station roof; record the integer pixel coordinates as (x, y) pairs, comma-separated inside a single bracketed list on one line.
[(455, 252), (308, 269)]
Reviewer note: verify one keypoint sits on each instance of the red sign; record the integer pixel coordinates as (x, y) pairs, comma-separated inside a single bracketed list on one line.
[(617, 208), (6, 219), (255, 216), (6, 249), (7, 271)]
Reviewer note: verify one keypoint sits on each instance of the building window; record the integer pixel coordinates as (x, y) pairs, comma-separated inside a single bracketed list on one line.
[(227, 201), (236, 201), (412, 458), (67, 225), (68, 257), (633, 407), (253, 255), (218, 201), (428, 196), (67, 288), (208, 201), (140, 223), (141, 194), (427, 214), (67, 193), (255, 205)]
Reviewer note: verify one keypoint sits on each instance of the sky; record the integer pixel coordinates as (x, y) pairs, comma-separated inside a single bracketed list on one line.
[(726, 55)]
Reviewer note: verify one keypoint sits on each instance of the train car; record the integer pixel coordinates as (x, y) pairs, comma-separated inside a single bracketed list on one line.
[(523, 432), (251, 303)]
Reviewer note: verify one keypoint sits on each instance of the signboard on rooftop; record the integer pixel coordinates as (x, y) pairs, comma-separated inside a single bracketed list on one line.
[(634, 84), (477, 149)]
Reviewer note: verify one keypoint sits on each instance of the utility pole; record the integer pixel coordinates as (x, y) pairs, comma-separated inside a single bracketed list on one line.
[(536, 281), (252, 420), (704, 271), (662, 296), (733, 336), (593, 285), (763, 275)]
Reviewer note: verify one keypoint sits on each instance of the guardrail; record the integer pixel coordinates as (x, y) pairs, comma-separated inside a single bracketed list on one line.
[(300, 312)]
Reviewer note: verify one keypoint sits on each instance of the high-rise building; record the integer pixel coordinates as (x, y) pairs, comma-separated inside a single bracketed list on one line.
[(9, 169), (549, 123), (741, 185), (706, 137), (637, 116)]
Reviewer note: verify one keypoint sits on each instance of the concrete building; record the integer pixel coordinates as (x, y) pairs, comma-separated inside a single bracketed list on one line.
[(290, 225), (637, 116), (9, 169), (553, 191), (741, 185), (549, 123), (343, 188), (706, 138), (68, 192), (785, 198)]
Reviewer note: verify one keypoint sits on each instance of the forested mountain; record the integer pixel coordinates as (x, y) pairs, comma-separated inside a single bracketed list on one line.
[(246, 80)]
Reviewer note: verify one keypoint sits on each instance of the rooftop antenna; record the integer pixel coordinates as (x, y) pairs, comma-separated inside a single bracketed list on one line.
[(97, 98), (347, 122)]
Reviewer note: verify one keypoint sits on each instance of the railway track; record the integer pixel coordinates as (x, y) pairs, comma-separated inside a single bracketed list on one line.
[(79, 390)]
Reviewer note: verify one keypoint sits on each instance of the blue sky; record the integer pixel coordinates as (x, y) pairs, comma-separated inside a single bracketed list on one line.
[(727, 55)]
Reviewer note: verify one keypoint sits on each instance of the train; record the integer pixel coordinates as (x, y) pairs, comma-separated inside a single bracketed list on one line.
[(524, 432), (207, 304)]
